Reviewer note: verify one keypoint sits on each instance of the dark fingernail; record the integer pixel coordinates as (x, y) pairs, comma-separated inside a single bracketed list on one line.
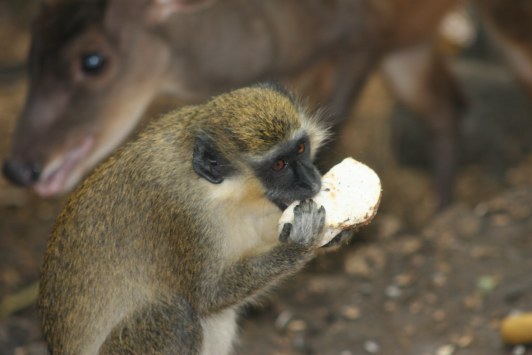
[(285, 232)]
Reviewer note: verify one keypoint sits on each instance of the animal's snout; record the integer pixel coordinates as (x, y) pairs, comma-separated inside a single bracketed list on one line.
[(23, 174)]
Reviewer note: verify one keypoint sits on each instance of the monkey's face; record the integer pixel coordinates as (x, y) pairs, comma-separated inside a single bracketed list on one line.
[(288, 173), (261, 137)]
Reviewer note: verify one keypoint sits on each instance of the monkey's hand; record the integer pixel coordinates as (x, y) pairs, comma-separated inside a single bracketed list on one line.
[(299, 242), (350, 193), (308, 226)]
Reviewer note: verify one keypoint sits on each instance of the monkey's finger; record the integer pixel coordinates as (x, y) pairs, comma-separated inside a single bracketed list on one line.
[(300, 208), (307, 205), (298, 211), (321, 214), (285, 232)]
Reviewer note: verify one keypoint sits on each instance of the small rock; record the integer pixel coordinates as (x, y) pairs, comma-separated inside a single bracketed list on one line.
[(481, 209), (439, 315), (464, 341), (393, 291), (283, 319), (351, 312), (430, 298), (364, 261), (297, 326), (487, 283), (390, 306), (410, 245), (519, 350), (446, 350), (415, 307), (357, 265), (439, 279), (483, 251), (371, 347), (500, 220), (473, 301), (404, 280), (366, 289), (300, 343), (469, 226)]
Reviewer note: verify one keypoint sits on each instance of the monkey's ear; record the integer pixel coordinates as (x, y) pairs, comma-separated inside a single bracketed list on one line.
[(208, 162)]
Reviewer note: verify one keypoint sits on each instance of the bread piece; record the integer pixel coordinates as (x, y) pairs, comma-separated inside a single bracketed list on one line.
[(350, 194)]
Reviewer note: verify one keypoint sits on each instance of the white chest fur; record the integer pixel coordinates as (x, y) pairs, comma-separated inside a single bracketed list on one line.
[(254, 232), (219, 331)]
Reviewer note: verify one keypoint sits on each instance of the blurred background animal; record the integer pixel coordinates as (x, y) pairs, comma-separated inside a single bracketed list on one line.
[(96, 65)]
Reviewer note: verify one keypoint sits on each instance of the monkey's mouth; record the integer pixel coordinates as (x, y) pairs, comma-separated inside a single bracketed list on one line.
[(54, 179), (283, 205), (280, 199)]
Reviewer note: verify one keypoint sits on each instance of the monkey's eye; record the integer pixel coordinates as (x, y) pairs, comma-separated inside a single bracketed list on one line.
[(92, 63), (301, 148), (279, 165)]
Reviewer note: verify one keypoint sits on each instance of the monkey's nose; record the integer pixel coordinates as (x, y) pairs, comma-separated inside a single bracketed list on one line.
[(21, 174)]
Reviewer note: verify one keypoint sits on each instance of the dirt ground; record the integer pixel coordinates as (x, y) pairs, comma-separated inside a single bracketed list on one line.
[(411, 283)]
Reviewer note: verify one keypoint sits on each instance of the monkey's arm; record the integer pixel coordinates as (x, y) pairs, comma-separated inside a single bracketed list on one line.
[(244, 278), (159, 328)]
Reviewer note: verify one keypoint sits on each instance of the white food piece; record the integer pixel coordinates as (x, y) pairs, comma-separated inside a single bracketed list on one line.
[(350, 193)]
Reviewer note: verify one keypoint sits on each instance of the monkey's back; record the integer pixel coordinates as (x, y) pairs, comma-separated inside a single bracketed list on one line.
[(118, 236), (153, 227)]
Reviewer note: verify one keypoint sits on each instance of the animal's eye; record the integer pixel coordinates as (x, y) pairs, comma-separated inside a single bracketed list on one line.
[(279, 165), (92, 63), (301, 148)]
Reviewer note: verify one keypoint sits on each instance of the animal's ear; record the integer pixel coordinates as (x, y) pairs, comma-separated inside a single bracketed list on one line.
[(160, 10), (208, 162)]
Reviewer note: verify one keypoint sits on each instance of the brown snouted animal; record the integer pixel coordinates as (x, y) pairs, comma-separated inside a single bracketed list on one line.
[(96, 65)]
